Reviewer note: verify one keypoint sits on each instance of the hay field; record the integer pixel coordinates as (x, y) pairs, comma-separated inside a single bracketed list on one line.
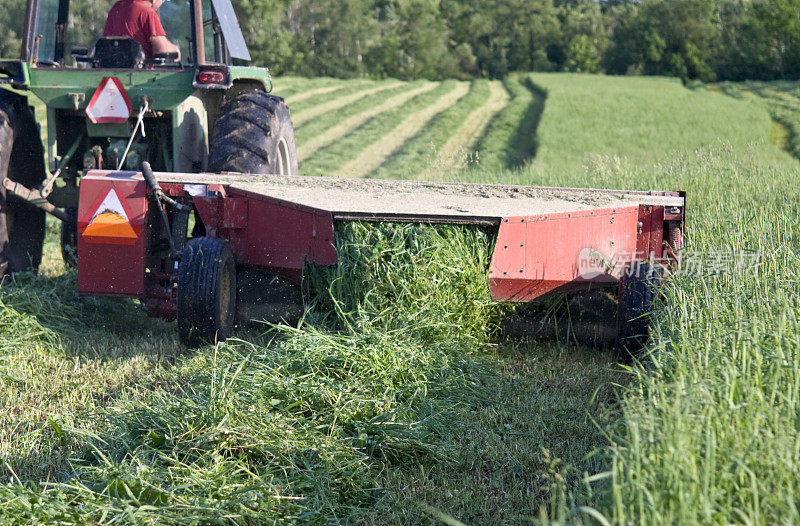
[(394, 401)]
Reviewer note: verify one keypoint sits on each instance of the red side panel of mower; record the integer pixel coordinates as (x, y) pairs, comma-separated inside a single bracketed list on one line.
[(112, 236), (537, 255), (269, 233), (121, 244)]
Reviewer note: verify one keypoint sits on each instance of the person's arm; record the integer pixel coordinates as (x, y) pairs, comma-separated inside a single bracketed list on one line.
[(162, 45)]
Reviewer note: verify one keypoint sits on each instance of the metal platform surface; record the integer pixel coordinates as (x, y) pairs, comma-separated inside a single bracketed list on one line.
[(399, 200)]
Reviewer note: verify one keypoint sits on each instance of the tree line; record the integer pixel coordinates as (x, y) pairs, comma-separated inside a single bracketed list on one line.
[(407, 39)]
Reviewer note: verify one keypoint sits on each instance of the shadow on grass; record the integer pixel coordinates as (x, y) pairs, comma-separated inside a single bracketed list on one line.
[(528, 435), (524, 143), (90, 327)]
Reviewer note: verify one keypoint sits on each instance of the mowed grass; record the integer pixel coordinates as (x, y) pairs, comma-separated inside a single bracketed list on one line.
[(394, 402), (444, 145), (781, 99)]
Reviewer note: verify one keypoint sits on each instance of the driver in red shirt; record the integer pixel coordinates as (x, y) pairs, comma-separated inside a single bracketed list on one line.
[(138, 19)]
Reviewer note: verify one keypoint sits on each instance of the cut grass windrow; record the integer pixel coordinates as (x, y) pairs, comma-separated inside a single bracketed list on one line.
[(324, 122), (300, 97), (349, 147), (417, 158), (463, 141), (336, 103), (308, 148), (376, 153), (510, 138)]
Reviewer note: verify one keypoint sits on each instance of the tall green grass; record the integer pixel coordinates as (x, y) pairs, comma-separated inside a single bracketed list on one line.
[(390, 403), (711, 426)]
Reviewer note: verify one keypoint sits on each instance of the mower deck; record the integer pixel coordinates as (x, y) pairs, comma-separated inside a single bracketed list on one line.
[(546, 239), (422, 201)]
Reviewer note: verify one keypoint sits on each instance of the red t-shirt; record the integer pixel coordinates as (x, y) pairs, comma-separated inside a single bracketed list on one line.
[(134, 19)]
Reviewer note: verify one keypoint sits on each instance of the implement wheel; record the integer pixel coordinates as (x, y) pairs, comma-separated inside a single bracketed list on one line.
[(206, 291), (638, 290), (253, 134), (21, 160)]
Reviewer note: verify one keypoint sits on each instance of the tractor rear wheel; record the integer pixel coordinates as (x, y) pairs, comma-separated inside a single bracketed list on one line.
[(21, 160), (253, 133), (638, 291), (206, 291)]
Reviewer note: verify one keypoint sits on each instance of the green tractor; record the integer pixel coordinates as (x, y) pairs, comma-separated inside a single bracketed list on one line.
[(110, 108)]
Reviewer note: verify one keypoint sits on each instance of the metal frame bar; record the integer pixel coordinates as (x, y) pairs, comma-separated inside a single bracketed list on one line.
[(29, 31), (197, 33), (61, 23)]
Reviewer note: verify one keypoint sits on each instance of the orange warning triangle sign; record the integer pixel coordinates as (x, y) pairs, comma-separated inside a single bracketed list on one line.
[(110, 220)]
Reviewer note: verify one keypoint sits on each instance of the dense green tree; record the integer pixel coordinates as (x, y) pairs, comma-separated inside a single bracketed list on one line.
[(666, 37), (414, 41), (11, 13), (585, 31), (705, 39), (267, 27), (582, 55), (780, 20)]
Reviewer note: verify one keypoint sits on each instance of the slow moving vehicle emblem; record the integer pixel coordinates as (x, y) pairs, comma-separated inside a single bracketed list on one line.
[(110, 223), (110, 103)]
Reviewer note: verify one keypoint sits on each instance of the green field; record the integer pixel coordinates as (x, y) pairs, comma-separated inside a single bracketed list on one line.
[(394, 401)]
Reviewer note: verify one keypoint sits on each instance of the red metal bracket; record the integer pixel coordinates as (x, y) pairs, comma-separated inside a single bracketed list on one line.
[(538, 255)]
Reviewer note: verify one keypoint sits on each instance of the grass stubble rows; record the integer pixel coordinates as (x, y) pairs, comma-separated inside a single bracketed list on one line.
[(390, 403), (375, 154)]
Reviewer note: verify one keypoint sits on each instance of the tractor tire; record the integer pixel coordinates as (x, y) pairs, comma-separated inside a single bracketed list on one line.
[(69, 239), (638, 291), (21, 160), (206, 292), (253, 134)]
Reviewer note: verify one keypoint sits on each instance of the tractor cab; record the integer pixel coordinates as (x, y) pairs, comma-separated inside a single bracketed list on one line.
[(110, 107), (167, 105), (68, 34)]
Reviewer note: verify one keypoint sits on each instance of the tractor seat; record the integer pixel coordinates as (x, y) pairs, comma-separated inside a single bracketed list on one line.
[(117, 53)]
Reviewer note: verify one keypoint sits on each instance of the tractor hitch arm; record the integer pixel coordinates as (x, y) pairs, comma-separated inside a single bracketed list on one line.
[(34, 197)]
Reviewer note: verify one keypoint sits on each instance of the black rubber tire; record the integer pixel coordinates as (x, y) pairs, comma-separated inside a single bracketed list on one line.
[(69, 239), (253, 133), (21, 225), (638, 291), (206, 292)]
